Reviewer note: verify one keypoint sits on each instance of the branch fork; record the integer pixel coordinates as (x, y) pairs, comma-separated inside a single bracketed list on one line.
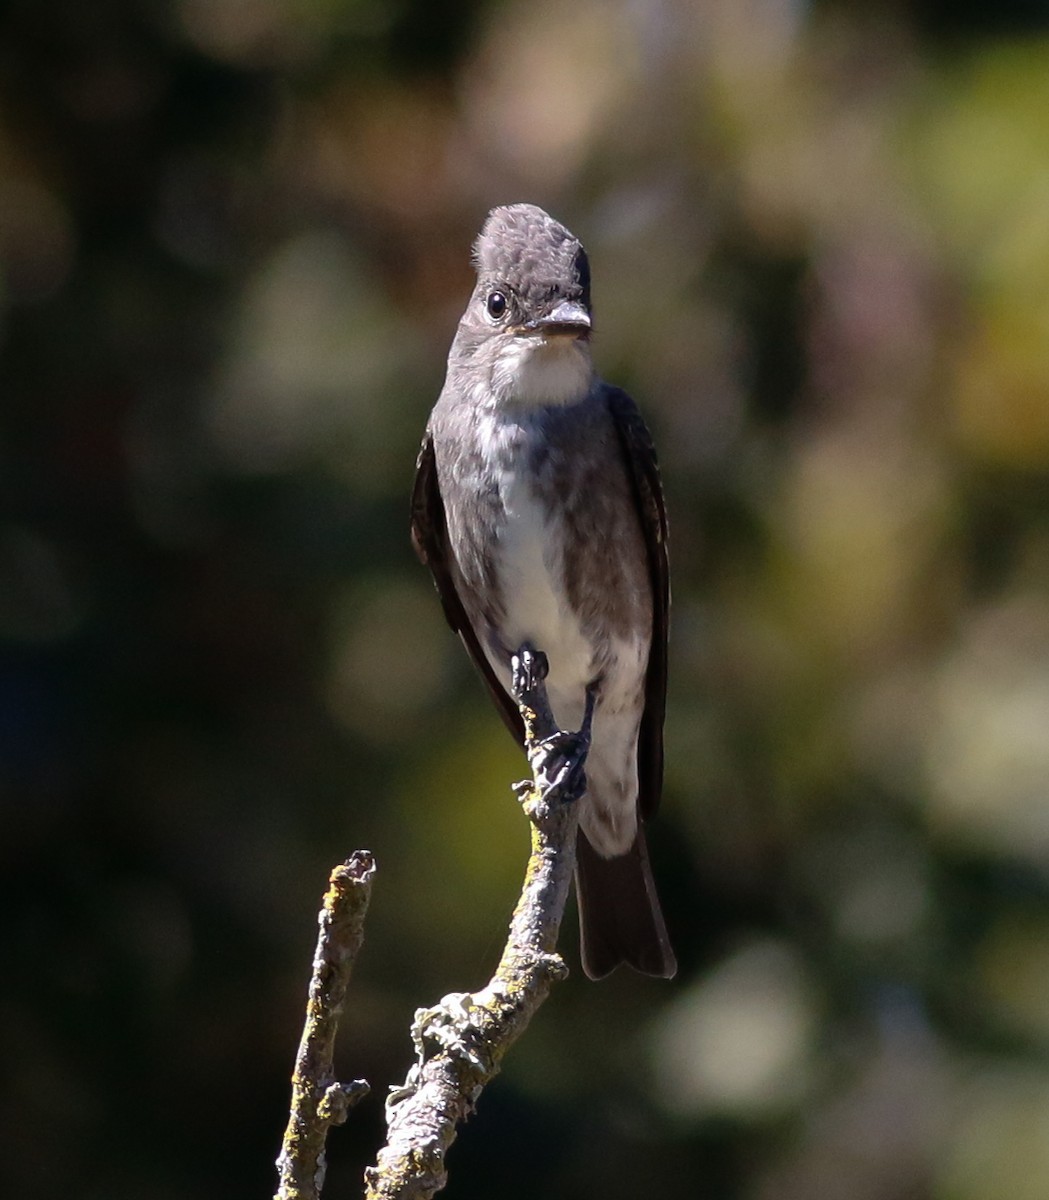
[(460, 1042)]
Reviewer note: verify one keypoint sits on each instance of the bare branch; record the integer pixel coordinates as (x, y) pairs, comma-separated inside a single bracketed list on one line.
[(318, 1100), (461, 1041)]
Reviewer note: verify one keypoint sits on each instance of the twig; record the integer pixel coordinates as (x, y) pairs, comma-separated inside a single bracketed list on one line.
[(318, 1100), (461, 1041)]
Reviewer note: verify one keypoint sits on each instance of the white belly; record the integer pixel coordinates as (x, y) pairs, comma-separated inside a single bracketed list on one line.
[(530, 573), (529, 564), (528, 558)]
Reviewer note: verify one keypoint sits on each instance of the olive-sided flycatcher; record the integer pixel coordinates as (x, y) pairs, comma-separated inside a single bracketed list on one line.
[(538, 508)]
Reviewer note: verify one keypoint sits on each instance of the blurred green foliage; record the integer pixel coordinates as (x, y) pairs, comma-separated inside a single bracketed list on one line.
[(234, 243)]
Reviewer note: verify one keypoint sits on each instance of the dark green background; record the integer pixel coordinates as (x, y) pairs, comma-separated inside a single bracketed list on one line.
[(234, 242)]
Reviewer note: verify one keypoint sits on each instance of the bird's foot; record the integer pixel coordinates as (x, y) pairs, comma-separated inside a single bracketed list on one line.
[(559, 763), (557, 757)]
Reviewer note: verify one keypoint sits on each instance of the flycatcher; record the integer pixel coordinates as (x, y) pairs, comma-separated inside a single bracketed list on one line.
[(538, 508)]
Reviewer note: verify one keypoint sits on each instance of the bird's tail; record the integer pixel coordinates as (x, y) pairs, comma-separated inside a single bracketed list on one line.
[(620, 920)]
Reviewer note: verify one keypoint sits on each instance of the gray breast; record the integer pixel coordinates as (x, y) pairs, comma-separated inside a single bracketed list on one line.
[(573, 463), (579, 470)]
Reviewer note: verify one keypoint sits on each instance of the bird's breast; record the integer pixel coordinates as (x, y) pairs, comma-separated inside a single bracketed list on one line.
[(529, 553), (530, 562)]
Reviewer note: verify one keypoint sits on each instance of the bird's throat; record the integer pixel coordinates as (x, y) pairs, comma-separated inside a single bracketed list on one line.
[(536, 370)]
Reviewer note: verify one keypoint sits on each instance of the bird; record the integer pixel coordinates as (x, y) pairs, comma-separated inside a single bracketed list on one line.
[(538, 508)]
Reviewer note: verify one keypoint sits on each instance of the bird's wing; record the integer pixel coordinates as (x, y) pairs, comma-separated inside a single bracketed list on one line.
[(640, 456), (429, 536)]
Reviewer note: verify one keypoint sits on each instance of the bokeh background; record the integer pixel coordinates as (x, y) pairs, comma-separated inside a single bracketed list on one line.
[(234, 244)]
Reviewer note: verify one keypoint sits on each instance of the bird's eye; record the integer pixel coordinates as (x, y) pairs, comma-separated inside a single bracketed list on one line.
[(496, 305)]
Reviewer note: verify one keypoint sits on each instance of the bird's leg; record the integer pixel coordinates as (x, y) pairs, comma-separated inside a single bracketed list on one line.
[(557, 757), (588, 715), (528, 669), (559, 760)]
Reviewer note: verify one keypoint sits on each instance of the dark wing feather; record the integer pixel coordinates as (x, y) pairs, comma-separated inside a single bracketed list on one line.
[(640, 455), (429, 536)]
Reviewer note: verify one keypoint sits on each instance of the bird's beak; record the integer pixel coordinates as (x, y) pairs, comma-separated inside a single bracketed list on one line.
[(567, 319)]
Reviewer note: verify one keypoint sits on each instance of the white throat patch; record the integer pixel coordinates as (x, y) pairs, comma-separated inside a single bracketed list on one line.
[(541, 370)]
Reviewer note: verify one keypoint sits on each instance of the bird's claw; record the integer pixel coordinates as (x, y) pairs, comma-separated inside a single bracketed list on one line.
[(559, 761)]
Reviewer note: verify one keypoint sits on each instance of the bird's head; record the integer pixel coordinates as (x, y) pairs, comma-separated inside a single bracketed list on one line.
[(529, 321)]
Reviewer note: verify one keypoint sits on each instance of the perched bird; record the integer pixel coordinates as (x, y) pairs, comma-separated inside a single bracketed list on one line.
[(538, 508)]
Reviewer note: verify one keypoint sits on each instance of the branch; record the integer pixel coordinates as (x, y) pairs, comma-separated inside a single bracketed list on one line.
[(318, 1100), (461, 1041)]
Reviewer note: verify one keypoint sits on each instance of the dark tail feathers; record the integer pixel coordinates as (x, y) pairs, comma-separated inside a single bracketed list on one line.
[(619, 916)]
